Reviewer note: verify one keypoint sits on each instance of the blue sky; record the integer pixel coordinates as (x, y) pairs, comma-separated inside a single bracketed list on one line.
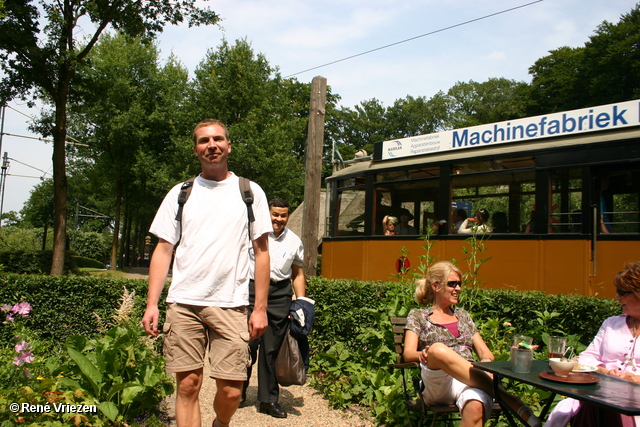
[(296, 35)]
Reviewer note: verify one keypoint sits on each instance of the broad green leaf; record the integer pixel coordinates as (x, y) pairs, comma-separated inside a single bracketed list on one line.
[(109, 409), (87, 368), (129, 393)]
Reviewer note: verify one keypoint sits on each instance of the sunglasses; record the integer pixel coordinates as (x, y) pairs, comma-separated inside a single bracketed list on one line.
[(454, 284), (623, 293)]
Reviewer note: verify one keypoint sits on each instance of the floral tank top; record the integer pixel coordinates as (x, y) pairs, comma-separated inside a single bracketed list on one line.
[(430, 333)]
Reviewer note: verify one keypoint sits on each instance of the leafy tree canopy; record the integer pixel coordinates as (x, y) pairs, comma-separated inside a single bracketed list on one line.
[(604, 71), (39, 50)]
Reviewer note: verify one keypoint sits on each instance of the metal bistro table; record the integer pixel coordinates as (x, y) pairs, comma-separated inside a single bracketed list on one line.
[(609, 393)]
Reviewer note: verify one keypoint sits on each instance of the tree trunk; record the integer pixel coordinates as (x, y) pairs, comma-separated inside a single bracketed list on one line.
[(116, 228), (59, 185)]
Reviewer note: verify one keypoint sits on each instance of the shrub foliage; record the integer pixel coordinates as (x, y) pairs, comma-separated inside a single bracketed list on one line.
[(351, 343)]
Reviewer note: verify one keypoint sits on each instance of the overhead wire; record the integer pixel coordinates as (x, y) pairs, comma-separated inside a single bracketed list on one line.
[(32, 167), (416, 37), (75, 141)]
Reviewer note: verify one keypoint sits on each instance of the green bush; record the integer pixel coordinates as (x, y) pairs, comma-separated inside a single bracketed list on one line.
[(350, 301), (352, 344), (84, 262), (117, 374), (91, 245), (567, 314), (67, 305), (33, 262), (17, 238)]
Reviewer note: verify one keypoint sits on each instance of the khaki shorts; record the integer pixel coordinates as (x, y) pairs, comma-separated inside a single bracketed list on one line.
[(191, 330)]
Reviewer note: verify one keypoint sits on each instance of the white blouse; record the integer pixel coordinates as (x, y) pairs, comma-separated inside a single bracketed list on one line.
[(614, 347)]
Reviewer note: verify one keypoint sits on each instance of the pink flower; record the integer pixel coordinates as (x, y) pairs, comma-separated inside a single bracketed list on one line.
[(5, 307), (22, 346), (22, 308), (9, 318), (22, 358)]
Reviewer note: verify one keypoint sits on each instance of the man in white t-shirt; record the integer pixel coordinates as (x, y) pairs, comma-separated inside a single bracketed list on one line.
[(209, 292), (286, 256)]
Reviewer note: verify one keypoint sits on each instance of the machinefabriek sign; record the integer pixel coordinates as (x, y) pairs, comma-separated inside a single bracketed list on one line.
[(604, 117)]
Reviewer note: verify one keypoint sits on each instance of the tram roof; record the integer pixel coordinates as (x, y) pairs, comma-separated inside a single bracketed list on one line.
[(521, 148)]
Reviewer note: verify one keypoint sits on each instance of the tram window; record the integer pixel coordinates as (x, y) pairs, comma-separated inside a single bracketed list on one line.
[(510, 193), (383, 208), (565, 214), (351, 215), (412, 202), (620, 201), (527, 207)]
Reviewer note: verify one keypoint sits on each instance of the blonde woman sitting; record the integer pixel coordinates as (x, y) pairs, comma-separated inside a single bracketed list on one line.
[(442, 337), (389, 224)]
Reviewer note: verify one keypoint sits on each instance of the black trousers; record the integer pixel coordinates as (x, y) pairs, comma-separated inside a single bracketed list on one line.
[(280, 294)]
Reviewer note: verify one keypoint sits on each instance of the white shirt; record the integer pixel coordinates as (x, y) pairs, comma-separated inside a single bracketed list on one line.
[(474, 228), (284, 251), (614, 346), (212, 265)]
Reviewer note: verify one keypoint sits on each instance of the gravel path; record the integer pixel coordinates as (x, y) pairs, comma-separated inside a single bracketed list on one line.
[(305, 406)]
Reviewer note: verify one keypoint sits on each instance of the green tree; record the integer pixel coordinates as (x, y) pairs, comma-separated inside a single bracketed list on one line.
[(37, 211), (411, 116), (266, 116), (473, 103), (558, 82), (125, 113), (612, 60), (11, 218), (350, 130), (605, 70), (39, 50)]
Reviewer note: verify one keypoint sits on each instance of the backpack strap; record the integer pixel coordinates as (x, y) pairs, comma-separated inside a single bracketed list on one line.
[(247, 197), (185, 191)]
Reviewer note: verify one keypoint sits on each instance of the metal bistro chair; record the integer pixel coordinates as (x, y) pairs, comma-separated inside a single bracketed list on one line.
[(412, 385)]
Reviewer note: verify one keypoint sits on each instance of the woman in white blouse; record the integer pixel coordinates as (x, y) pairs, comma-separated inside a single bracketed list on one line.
[(477, 224), (613, 351)]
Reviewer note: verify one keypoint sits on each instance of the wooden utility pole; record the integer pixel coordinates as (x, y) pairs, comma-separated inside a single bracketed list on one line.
[(313, 174)]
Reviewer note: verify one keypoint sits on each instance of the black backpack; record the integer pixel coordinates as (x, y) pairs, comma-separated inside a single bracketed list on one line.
[(245, 193)]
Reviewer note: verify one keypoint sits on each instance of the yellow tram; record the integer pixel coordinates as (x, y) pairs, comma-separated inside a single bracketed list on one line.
[(562, 191)]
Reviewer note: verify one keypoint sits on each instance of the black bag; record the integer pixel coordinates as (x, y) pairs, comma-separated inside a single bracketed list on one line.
[(290, 368)]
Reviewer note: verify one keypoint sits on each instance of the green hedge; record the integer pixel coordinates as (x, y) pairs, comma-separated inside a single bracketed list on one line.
[(33, 262), (345, 307), (353, 349), (84, 262), (65, 305), (573, 314)]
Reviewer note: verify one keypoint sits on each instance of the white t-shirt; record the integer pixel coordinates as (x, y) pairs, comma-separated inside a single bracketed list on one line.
[(212, 266), (284, 251)]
